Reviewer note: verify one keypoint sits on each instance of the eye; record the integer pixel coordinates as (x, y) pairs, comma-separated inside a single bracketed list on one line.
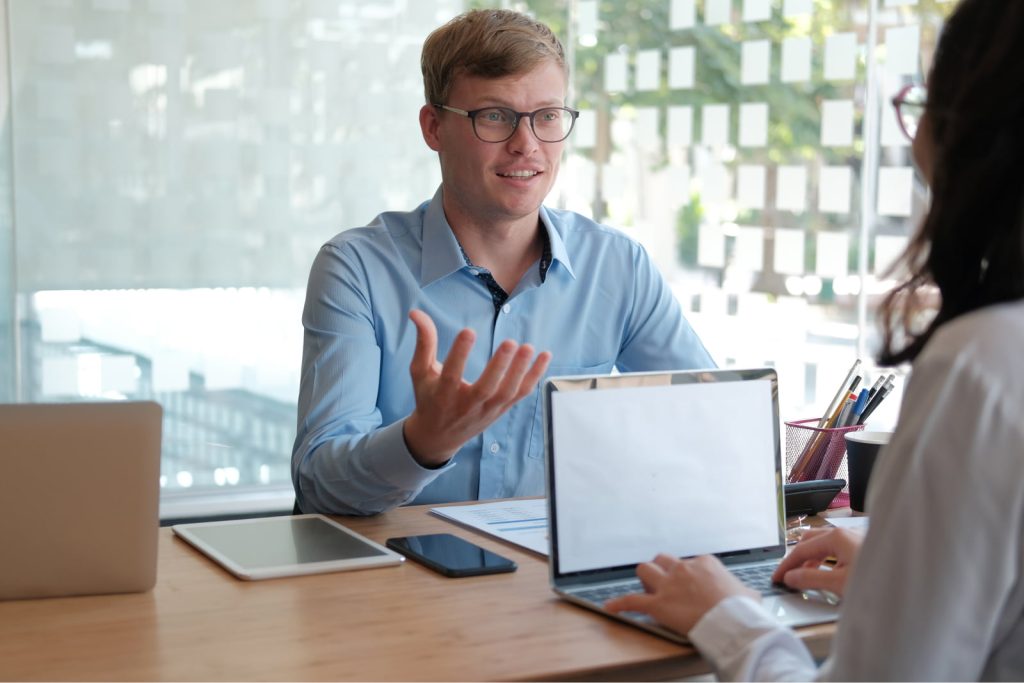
[(494, 116), (550, 115)]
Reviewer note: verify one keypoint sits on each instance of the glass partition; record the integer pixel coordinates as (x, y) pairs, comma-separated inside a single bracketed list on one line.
[(168, 169)]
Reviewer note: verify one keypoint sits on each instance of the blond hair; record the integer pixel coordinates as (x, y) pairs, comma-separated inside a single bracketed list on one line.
[(488, 43)]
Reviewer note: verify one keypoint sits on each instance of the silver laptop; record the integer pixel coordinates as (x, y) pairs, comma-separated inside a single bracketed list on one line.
[(685, 463), (79, 498)]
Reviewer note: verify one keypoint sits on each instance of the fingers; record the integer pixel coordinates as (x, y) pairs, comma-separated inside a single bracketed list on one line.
[(519, 379), (490, 378), (455, 361), (804, 579), (811, 549), (651, 575), (635, 602), (540, 366), (425, 355)]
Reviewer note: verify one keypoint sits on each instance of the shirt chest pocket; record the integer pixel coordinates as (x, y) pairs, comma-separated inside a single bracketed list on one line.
[(537, 436)]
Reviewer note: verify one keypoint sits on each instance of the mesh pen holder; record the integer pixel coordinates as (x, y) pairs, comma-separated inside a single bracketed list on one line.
[(816, 453)]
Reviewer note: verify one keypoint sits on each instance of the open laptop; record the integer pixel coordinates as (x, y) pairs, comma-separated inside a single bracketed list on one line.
[(79, 498), (686, 463)]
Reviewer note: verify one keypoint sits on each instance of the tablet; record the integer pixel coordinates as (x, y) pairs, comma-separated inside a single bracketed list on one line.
[(269, 547)]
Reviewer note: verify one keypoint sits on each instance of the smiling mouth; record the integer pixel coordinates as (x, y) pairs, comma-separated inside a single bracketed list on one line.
[(519, 174)]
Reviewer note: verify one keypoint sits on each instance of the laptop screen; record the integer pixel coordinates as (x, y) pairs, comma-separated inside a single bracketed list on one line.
[(684, 463)]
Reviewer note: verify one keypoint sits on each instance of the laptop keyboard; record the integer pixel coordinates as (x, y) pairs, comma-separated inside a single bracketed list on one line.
[(758, 577)]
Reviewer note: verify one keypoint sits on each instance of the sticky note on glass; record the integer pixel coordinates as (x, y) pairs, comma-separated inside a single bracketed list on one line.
[(837, 123), (677, 180), (789, 251), (834, 183), (753, 124), (895, 190), (715, 183), (795, 8), (833, 259), (841, 57), (174, 7), (757, 10), (710, 246), (584, 133), (648, 69), (714, 120), (887, 249), (791, 189), (646, 127), (755, 58), (613, 181), (750, 187), (54, 43), (717, 12), (682, 14), (586, 20), (680, 68), (615, 73), (903, 50), (892, 134), (680, 126), (796, 60), (749, 253)]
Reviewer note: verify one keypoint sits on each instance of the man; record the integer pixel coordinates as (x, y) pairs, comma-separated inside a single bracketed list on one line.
[(381, 421)]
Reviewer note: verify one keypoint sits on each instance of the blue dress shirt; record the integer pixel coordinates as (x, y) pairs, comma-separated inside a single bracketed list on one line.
[(602, 304)]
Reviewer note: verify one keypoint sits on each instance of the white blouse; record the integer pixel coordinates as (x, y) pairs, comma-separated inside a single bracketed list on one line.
[(937, 592)]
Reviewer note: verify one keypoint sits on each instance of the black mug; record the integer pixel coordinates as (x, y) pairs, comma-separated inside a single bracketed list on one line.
[(861, 452)]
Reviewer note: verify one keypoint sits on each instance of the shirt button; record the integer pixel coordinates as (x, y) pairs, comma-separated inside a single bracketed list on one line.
[(506, 308), (495, 447), (474, 271)]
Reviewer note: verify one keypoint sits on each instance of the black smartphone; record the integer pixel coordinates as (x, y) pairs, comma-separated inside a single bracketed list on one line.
[(451, 555)]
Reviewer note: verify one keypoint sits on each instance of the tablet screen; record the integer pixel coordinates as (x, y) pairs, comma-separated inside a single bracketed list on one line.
[(279, 546)]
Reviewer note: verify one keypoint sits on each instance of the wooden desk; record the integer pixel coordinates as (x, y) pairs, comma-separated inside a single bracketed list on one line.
[(391, 623)]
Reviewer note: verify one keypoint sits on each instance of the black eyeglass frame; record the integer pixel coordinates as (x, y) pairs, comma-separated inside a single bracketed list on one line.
[(518, 116), (901, 100)]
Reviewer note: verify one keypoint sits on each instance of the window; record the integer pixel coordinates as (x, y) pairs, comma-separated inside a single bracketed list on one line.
[(170, 169)]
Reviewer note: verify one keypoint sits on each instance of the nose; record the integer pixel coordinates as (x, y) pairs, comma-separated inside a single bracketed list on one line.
[(523, 140)]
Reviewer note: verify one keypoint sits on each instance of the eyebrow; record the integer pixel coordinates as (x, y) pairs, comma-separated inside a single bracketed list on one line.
[(498, 102)]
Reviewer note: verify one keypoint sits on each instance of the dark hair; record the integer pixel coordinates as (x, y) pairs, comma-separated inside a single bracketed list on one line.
[(488, 42), (971, 244)]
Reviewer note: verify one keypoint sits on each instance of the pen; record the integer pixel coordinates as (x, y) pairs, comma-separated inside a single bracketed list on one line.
[(847, 409), (837, 399), (858, 408), (879, 397), (876, 386)]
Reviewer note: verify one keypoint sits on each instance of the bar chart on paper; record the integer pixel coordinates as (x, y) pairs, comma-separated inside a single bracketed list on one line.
[(523, 522)]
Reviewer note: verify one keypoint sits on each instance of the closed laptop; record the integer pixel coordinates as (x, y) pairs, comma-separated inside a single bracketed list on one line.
[(79, 498)]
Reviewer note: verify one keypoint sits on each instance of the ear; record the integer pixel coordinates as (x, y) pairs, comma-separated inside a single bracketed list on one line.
[(430, 124)]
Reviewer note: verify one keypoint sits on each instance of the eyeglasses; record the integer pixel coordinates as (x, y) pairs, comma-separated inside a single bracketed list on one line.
[(498, 124), (909, 103)]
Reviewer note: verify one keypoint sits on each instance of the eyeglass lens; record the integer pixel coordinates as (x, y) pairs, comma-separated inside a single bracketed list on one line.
[(910, 106), (498, 123)]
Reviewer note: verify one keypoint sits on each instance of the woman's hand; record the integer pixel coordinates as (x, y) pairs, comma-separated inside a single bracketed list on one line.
[(679, 592), (803, 568)]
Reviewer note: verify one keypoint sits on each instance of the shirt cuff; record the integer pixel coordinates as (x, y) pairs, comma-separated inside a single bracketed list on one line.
[(394, 463), (730, 626)]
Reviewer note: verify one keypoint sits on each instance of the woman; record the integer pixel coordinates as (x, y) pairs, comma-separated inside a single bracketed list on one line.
[(936, 591)]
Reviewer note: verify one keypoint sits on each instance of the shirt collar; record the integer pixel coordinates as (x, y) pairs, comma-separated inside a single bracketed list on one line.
[(443, 256), (441, 253), (558, 251)]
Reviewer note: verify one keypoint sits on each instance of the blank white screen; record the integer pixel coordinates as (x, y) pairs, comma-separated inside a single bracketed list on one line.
[(684, 469)]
